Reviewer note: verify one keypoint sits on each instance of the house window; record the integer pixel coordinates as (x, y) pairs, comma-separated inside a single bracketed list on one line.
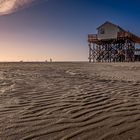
[(101, 31)]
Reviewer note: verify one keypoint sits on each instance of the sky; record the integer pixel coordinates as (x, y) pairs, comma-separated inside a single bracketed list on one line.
[(37, 30)]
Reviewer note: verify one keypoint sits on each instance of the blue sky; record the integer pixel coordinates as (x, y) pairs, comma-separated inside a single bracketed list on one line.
[(58, 29)]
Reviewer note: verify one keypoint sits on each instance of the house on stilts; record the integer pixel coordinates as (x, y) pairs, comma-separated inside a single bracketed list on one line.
[(113, 44)]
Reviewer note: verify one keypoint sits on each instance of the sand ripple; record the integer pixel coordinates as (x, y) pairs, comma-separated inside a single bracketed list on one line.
[(68, 101)]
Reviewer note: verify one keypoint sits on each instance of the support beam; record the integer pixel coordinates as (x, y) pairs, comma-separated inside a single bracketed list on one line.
[(112, 51)]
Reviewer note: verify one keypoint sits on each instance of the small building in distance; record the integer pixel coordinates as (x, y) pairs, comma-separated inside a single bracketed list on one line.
[(113, 44)]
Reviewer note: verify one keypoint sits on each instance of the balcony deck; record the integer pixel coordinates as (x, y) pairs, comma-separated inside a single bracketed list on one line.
[(130, 36), (93, 38)]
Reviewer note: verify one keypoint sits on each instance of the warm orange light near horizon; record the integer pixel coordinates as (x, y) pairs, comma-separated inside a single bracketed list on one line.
[(13, 50)]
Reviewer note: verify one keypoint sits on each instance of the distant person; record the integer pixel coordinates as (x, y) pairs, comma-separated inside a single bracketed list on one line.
[(50, 60)]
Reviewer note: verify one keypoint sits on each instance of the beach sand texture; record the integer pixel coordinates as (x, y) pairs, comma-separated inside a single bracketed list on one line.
[(69, 101)]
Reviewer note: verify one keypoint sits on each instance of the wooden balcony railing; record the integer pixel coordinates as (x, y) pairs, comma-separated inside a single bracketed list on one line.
[(92, 38), (129, 35)]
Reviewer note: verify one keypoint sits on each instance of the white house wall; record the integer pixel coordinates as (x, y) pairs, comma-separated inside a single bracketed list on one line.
[(110, 32)]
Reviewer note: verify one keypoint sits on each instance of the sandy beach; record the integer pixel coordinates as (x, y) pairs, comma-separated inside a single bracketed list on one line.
[(70, 101)]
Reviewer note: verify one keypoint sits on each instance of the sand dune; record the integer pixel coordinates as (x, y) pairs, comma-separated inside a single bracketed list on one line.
[(69, 101)]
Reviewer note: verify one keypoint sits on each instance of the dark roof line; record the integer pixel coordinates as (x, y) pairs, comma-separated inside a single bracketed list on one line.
[(107, 22)]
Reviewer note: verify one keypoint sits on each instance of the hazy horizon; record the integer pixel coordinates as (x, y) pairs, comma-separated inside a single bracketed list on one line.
[(36, 30)]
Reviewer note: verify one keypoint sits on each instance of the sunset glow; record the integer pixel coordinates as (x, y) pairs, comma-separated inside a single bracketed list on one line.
[(36, 30)]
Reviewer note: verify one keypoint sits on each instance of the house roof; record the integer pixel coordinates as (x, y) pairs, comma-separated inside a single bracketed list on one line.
[(107, 22), (127, 34)]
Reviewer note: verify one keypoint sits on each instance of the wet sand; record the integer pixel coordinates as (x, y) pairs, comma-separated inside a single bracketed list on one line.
[(69, 101)]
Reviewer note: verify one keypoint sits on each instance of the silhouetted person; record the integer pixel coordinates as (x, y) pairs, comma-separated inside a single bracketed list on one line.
[(50, 60)]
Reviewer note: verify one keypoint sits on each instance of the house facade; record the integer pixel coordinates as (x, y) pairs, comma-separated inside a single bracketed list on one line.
[(108, 31)]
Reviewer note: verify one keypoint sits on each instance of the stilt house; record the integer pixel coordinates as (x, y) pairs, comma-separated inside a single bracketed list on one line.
[(113, 44)]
